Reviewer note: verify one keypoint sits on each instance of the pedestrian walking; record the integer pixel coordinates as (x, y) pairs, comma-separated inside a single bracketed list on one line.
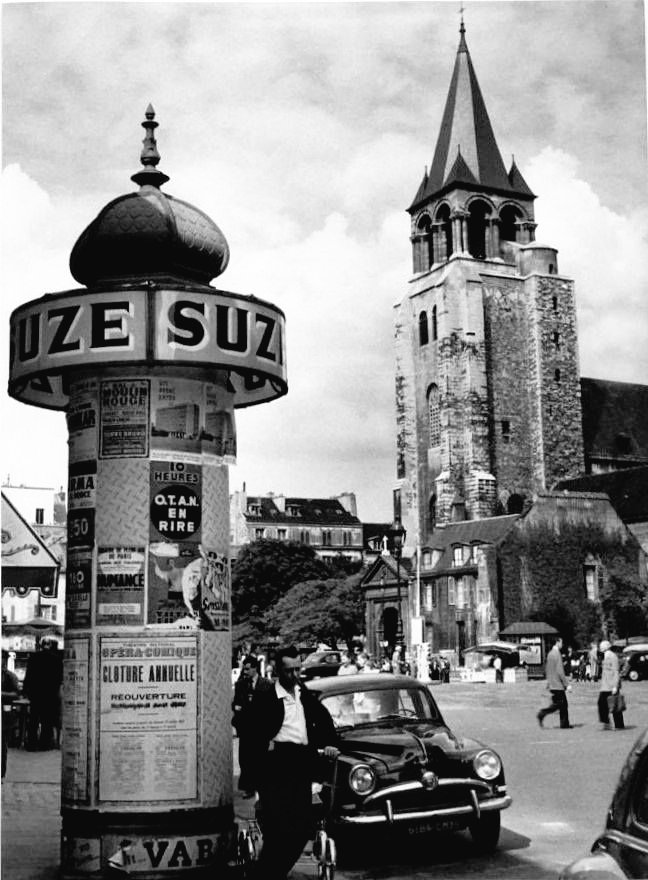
[(10, 692), (249, 682), (557, 685), (42, 687), (593, 661), (497, 664), (610, 692), (290, 725)]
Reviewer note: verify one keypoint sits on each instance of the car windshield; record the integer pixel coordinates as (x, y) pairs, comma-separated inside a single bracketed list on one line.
[(376, 706)]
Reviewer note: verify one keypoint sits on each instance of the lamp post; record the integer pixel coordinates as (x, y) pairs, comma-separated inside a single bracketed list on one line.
[(397, 534)]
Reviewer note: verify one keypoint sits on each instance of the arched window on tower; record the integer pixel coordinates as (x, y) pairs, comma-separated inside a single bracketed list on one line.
[(424, 333), (478, 213), (509, 216), (434, 415), (515, 503), (557, 376), (434, 323), (556, 340), (424, 256), (445, 232)]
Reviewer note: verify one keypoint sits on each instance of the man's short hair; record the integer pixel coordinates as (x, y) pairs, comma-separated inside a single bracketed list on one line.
[(251, 660), (288, 651)]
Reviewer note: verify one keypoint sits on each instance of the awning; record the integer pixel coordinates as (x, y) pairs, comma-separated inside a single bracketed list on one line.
[(494, 647), (33, 626), (27, 564)]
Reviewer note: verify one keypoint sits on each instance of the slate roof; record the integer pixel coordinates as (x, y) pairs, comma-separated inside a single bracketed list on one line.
[(311, 511), (466, 150), (474, 531), (627, 489), (615, 424)]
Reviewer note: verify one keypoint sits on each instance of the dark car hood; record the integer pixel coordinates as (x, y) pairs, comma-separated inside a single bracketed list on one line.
[(396, 744)]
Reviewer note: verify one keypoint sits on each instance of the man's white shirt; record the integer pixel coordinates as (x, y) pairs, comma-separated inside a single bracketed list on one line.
[(293, 729)]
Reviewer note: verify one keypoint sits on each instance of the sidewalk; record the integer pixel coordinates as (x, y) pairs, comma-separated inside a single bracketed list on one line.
[(31, 821)]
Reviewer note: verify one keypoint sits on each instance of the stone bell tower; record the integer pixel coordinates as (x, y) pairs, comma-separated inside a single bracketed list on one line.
[(487, 376)]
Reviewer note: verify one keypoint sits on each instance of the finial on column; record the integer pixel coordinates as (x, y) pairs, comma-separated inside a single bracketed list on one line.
[(149, 157)]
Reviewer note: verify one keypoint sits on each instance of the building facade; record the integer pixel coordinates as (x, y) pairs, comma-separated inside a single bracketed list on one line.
[(487, 376), (329, 525)]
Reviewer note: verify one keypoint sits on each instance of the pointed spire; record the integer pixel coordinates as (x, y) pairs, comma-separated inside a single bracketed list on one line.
[(465, 122), (150, 157)]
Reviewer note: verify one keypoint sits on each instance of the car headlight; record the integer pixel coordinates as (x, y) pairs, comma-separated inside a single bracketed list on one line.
[(487, 765), (362, 779)]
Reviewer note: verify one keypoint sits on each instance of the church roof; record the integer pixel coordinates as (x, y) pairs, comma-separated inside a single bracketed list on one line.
[(466, 150), (627, 489), (614, 420)]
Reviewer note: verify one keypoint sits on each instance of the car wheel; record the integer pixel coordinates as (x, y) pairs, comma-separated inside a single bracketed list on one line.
[(485, 831), (633, 675)]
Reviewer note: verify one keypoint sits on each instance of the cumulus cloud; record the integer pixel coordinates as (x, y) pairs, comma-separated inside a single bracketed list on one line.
[(304, 135), (607, 255)]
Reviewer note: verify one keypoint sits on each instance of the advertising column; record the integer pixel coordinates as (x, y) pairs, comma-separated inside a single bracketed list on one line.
[(147, 745), (149, 362)]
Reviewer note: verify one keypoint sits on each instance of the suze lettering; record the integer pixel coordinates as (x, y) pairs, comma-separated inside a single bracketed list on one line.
[(108, 329), (188, 327)]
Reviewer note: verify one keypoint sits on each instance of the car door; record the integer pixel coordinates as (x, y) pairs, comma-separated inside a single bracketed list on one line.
[(633, 843)]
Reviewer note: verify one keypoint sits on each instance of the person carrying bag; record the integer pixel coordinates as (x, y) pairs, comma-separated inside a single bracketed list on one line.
[(610, 699)]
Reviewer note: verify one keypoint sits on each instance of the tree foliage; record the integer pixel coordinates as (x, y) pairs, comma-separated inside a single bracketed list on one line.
[(265, 570), (543, 579), (322, 610)]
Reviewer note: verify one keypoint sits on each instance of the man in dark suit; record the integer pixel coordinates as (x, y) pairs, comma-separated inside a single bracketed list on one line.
[(249, 682), (290, 725)]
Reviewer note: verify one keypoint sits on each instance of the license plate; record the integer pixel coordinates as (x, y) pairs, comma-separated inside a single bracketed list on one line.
[(421, 828), (427, 827)]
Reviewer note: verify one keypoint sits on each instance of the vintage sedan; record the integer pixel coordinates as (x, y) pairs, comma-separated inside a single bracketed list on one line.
[(320, 664), (621, 851), (402, 767)]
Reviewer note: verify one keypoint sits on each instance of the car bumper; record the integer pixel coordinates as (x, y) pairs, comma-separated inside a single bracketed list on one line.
[(472, 808)]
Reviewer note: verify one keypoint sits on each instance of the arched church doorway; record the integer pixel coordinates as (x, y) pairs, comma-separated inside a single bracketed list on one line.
[(388, 627)]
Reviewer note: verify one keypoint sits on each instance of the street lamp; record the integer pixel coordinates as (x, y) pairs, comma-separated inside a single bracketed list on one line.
[(397, 534)]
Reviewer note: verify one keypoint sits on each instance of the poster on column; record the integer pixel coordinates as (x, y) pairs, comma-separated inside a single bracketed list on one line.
[(120, 586), (188, 587), (148, 719), (124, 418), (78, 586), (176, 501), (192, 422), (82, 420), (75, 703)]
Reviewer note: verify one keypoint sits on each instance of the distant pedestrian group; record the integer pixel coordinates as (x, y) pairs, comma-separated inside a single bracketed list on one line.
[(603, 666)]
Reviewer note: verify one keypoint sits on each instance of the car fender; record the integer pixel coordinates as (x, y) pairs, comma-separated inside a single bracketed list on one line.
[(597, 866)]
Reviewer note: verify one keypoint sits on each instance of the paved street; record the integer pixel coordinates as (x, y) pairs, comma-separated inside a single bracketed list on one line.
[(561, 782)]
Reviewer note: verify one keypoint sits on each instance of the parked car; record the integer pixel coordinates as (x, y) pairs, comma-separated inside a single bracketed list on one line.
[(320, 664), (622, 850), (634, 662), (401, 766)]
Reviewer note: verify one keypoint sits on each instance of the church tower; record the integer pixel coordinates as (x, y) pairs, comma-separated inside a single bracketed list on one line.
[(487, 376)]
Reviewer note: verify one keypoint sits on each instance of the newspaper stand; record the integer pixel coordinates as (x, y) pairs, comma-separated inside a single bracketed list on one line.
[(149, 362)]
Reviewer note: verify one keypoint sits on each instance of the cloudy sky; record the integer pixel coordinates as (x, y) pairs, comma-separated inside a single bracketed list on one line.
[(303, 131)]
